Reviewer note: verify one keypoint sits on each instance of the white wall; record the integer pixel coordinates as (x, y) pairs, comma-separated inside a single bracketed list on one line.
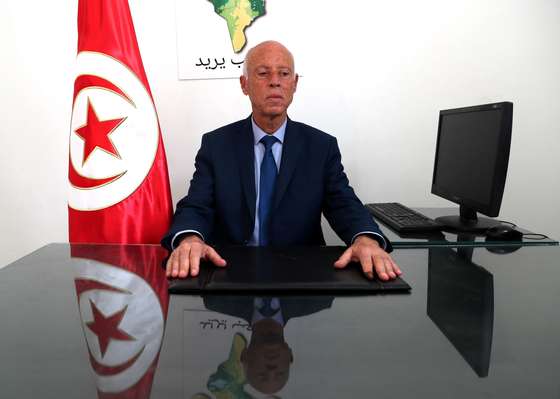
[(376, 75)]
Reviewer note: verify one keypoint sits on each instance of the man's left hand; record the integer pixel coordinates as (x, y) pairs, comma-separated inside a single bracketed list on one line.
[(371, 256)]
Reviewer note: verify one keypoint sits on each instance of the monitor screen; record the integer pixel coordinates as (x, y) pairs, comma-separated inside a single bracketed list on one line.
[(471, 161)]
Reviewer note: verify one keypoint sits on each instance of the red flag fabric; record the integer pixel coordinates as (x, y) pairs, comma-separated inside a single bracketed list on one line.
[(118, 181)]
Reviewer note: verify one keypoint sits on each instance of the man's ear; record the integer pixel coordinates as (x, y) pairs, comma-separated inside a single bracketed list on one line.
[(296, 80), (243, 83)]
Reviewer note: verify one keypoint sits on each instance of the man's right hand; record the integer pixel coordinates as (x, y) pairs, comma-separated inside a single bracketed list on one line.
[(185, 259)]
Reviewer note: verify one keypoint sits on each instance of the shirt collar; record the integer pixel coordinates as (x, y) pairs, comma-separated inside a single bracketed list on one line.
[(278, 317), (258, 133)]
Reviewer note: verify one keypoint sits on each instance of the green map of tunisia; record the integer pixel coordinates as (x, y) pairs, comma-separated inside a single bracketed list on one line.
[(239, 14)]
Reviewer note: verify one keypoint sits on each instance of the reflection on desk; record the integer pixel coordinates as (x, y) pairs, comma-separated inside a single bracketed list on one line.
[(122, 298), (461, 304), (259, 358), (498, 315)]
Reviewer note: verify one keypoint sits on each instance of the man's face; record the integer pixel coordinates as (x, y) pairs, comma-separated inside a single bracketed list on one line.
[(271, 81), (268, 358), (267, 366)]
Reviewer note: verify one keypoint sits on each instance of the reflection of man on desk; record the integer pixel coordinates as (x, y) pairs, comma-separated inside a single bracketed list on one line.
[(266, 360), (267, 179)]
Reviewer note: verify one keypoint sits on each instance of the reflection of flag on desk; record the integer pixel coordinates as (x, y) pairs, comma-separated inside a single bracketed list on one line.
[(118, 181), (123, 300)]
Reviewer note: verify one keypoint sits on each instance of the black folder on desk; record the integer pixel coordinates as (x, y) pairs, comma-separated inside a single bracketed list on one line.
[(283, 270)]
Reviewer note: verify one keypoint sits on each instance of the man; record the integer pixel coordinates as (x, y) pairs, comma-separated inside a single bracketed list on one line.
[(237, 195), (268, 357)]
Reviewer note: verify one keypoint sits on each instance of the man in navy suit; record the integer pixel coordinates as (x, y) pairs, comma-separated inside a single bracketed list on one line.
[(267, 179)]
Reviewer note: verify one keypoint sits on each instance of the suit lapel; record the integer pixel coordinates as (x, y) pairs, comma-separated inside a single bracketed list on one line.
[(246, 159), (291, 149)]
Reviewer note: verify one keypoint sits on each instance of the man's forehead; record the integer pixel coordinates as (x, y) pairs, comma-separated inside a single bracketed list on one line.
[(271, 56), (273, 66)]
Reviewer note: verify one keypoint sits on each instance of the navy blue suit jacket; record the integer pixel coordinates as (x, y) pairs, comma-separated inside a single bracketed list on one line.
[(220, 203)]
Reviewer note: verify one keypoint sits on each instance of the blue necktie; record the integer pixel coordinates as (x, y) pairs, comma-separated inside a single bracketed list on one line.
[(269, 172)]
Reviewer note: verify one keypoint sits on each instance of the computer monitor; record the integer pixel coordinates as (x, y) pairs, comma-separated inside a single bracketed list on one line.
[(470, 167)]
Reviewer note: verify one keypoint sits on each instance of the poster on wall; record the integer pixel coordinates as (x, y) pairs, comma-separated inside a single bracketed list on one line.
[(213, 36)]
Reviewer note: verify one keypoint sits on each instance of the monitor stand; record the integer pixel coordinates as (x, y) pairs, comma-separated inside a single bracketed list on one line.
[(467, 221)]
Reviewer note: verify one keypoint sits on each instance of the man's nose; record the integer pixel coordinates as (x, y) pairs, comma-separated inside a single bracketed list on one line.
[(274, 80)]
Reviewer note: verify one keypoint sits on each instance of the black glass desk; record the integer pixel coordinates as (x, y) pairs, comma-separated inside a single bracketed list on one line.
[(96, 321), (449, 239)]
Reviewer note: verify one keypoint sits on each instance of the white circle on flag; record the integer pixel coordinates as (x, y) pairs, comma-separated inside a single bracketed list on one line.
[(143, 320), (111, 176)]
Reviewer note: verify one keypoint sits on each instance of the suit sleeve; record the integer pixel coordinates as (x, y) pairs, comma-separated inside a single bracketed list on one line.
[(344, 211), (195, 211)]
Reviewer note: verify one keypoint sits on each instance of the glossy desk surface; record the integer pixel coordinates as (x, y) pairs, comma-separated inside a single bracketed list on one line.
[(96, 321)]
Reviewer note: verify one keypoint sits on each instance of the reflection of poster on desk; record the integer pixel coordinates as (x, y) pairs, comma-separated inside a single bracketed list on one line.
[(213, 36), (212, 348)]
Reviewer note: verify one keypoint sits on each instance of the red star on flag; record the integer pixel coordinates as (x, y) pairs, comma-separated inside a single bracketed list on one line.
[(95, 134), (107, 327)]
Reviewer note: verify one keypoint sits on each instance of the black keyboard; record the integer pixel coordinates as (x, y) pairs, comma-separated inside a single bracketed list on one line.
[(402, 219)]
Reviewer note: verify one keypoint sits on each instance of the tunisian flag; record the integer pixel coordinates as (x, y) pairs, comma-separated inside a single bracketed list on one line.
[(118, 181)]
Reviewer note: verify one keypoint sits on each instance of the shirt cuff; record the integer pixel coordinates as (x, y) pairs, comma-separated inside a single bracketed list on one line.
[(376, 236), (173, 246)]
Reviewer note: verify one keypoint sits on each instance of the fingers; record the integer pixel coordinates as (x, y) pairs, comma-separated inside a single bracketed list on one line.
[(367, 265), (344, 259), (178, 263), (180, 260), (386, 268), (374, 261), (183, 262), (382, 268), (214, 257), (185, 259), (171, 263), (194, 260), (396, 267)]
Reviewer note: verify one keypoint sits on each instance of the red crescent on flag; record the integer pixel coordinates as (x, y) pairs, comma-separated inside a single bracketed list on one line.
[(83, 182), (104, 370), (82, 82), (85, 81)]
